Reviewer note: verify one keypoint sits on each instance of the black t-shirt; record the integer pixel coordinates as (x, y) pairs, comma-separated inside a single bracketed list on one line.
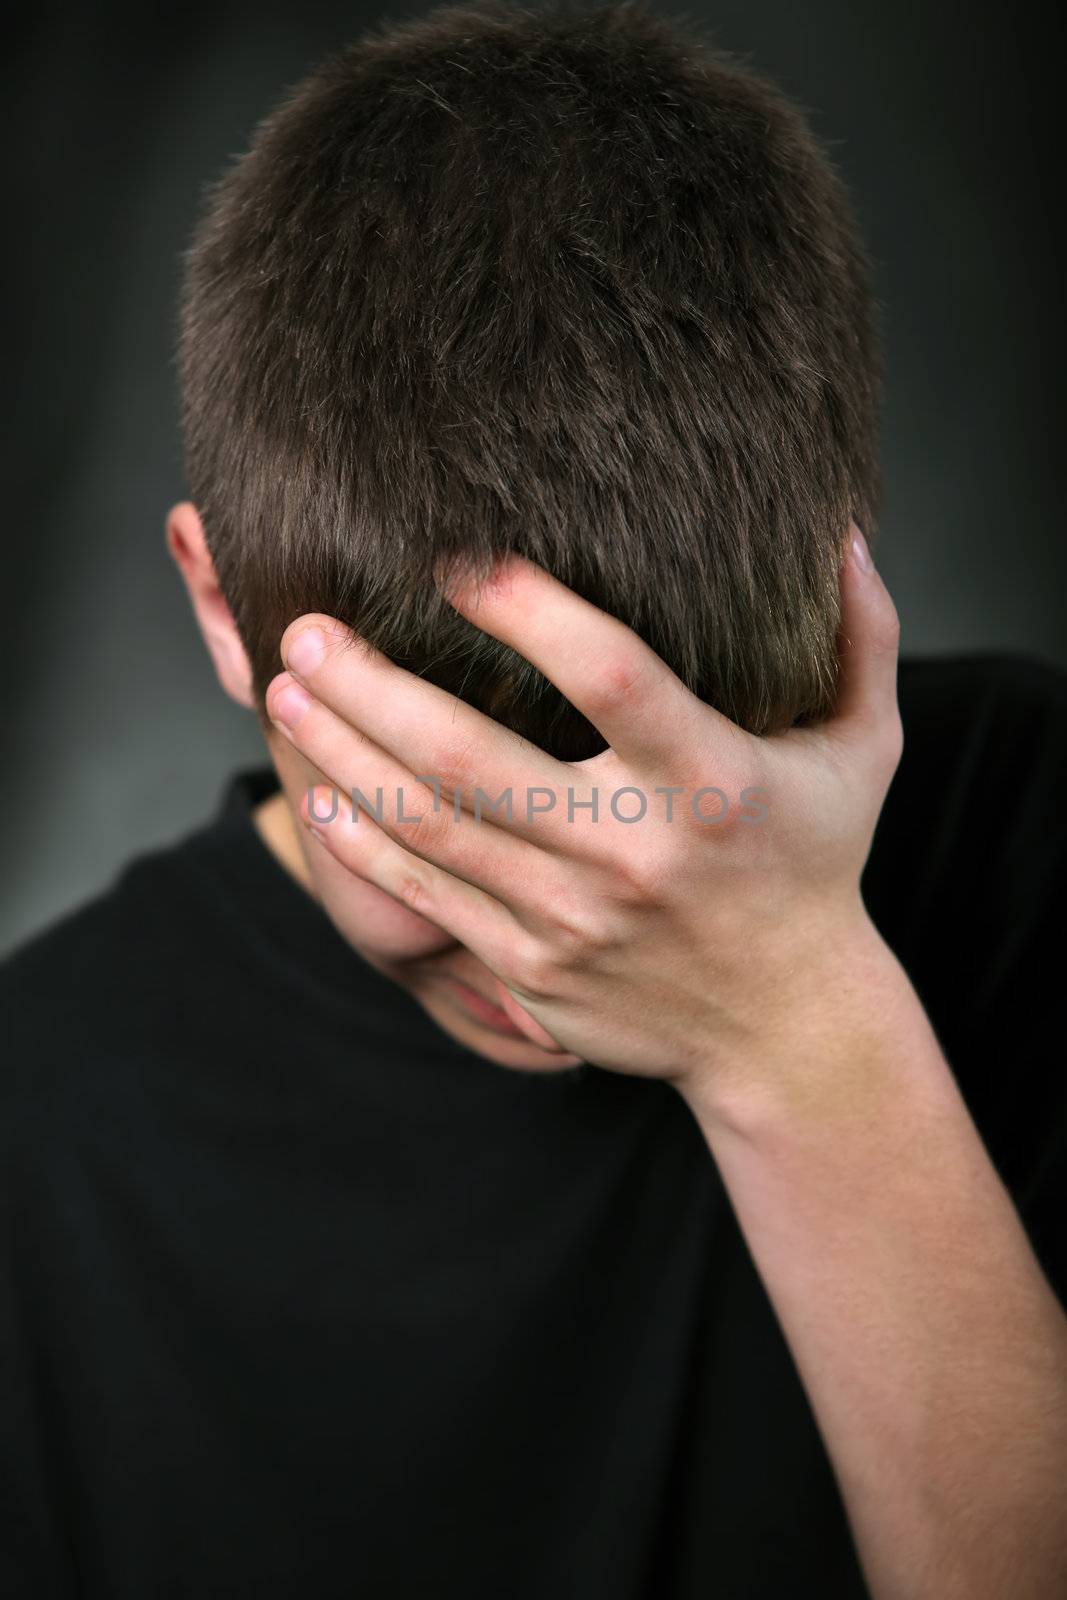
[(303, 1298)]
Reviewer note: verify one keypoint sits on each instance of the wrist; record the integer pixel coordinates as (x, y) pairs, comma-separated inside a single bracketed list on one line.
[(826, 1052)]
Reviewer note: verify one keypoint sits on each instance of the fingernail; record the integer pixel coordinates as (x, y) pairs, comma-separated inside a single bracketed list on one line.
[(305, 651), (860, 552), (289, 705)]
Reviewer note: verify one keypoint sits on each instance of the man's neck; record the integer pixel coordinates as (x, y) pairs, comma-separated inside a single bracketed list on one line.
[(275, 826)]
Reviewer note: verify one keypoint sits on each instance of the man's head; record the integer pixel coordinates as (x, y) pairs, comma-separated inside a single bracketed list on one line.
[(564, 282), (568, 282)]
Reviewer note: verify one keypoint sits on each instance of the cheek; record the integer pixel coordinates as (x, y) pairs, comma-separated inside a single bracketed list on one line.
[(369, 918), (363, 914)]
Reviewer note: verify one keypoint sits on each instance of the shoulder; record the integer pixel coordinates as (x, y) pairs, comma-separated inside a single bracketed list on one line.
[(977, 795), (89, 992), (985, 756), (79, 946), (952, 695), (970, 855)]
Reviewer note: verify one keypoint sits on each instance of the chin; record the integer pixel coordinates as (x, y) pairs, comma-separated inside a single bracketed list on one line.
[(377, 925), (452, 984), (517, 1055)]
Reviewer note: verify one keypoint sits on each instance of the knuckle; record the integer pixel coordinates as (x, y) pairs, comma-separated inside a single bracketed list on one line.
[(412, 890), (452, 762), (636, 874), (618, 682), (576, 928), (534, 968), (643, 870), (713, 810), (424, 830)]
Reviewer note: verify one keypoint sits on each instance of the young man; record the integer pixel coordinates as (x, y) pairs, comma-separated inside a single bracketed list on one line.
[(622, 1155)]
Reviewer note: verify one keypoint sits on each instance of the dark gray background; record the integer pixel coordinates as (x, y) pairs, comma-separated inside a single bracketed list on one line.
[(119, 737)]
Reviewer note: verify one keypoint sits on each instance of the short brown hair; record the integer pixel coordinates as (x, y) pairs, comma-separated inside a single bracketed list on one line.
[(571, 282)]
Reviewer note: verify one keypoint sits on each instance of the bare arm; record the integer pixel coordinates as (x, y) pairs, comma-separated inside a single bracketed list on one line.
[(931, 1347)]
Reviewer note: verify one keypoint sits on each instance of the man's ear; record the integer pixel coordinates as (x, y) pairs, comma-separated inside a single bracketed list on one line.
[(186, 543)]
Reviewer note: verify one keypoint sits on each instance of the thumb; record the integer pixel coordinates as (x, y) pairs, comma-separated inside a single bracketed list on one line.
[(522, 1018), (868, 646)]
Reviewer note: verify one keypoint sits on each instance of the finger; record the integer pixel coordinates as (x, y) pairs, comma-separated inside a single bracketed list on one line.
[(868, 648), (471, 916), (522, 1018), (420, 819), (617, 681), (431, 732)]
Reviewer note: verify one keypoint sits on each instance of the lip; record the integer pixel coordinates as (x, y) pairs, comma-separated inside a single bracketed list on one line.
[(483, 1010)]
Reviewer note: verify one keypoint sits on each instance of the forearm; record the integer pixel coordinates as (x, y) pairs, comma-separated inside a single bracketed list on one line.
[(931, 1347)]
